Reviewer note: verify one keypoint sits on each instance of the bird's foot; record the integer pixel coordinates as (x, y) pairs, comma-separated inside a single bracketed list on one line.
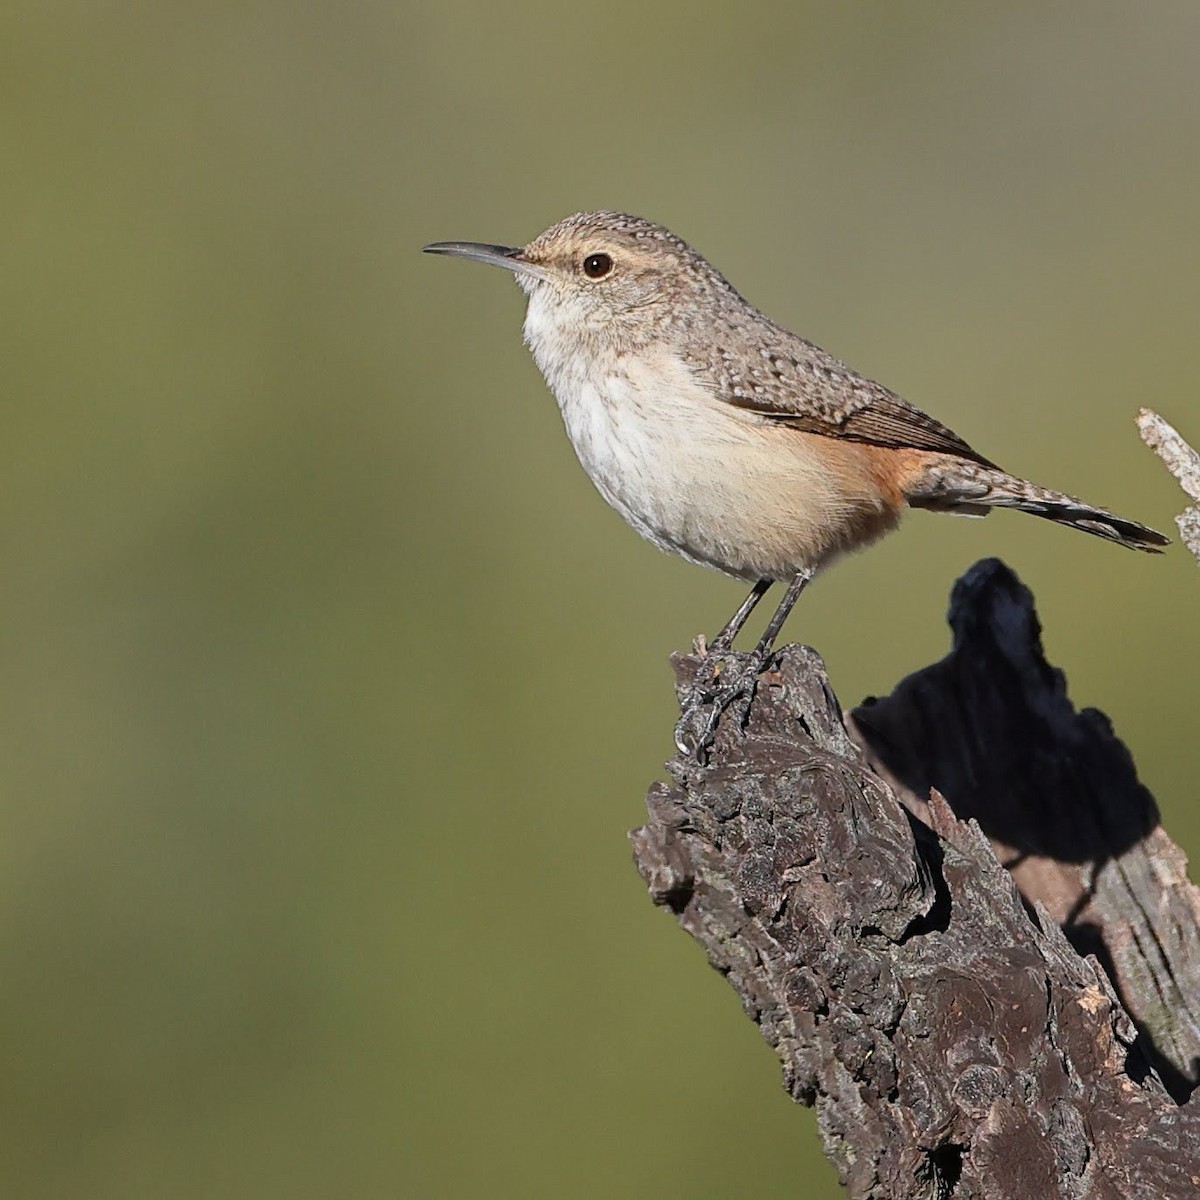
[(722, 680)]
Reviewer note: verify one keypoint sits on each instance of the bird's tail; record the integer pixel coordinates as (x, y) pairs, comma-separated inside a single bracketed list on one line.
[(955, 485)]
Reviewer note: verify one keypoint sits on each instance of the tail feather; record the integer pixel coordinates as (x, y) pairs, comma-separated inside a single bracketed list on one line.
[(957, 485)]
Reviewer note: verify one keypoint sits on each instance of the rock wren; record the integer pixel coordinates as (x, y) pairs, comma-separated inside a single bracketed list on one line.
[(725, 438)]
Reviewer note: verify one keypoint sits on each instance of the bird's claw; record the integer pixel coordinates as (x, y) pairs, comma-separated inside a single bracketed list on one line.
[(717, 686)]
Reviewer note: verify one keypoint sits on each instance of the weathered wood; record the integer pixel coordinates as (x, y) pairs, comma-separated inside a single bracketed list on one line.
[(1184, 463), (954, 1041), (1056, 793)]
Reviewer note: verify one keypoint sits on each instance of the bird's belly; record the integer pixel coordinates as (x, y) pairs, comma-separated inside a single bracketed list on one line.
[(719, 487)]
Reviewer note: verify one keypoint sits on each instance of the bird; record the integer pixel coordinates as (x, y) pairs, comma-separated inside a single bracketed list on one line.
[(725, 438)]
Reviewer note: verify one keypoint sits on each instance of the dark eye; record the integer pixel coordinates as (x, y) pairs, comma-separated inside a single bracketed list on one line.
[(596, 266)]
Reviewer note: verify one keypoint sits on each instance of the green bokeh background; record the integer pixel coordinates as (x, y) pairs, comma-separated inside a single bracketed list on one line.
[(329, 686)]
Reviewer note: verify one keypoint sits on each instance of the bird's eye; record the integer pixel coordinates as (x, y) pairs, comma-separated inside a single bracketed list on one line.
[(596, 266)]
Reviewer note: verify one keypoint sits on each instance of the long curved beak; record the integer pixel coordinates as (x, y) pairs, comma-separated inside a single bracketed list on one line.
[(496, 256)]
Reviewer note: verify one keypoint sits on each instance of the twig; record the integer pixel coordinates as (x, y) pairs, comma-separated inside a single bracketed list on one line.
[(1184, 463)]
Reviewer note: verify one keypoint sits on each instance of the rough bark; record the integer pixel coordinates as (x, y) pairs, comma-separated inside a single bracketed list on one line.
[(930, 1002)]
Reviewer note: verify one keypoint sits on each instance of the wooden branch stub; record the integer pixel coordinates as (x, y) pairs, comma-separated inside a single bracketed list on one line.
[(1184, 463), (952, 1038)]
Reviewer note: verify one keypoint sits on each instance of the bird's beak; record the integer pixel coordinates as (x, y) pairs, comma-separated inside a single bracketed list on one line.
[(497, 256)]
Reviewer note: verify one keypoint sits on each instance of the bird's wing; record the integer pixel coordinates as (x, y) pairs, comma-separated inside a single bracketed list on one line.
[(790, 381)]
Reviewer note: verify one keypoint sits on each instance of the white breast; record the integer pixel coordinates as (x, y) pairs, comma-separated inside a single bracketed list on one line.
[(690, 473)]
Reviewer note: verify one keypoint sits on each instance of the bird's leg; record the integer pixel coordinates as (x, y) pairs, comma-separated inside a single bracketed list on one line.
[(766, 644), (738, 679), (724, 640), (712, 667)]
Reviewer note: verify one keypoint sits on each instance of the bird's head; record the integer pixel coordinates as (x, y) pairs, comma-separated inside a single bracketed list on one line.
[(604, 275)]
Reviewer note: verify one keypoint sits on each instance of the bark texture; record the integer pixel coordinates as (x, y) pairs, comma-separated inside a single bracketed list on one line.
[(932, 1004)]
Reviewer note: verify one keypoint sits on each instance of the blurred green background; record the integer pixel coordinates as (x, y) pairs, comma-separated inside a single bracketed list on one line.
[(330, 687)]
